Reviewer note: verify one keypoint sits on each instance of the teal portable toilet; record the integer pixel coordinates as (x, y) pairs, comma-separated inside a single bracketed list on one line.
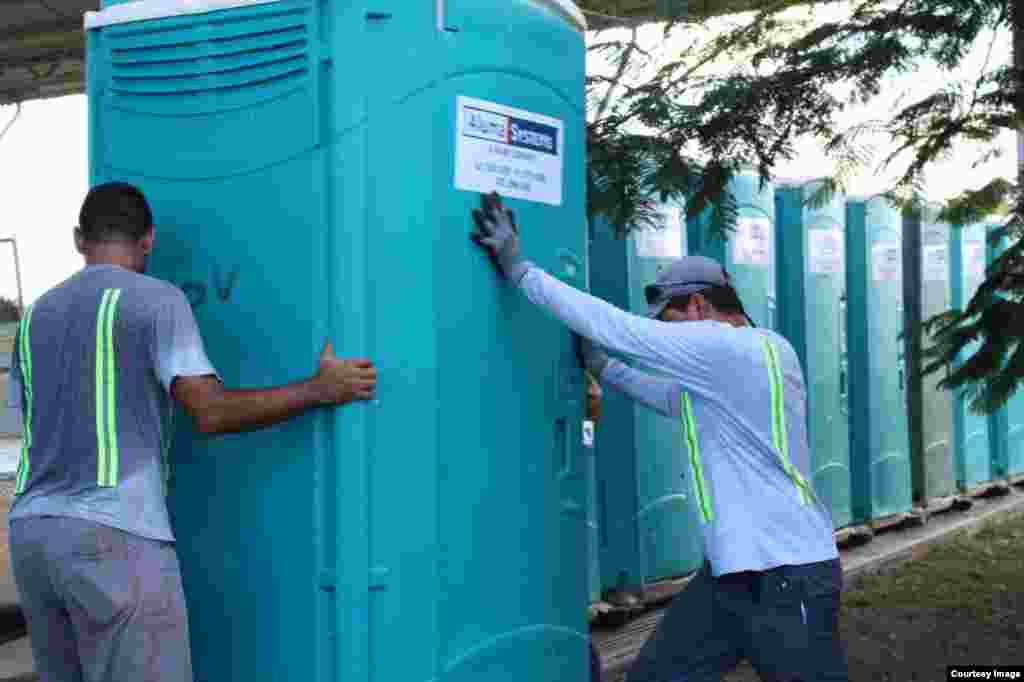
[(998, 420), (928, 292), (593, 558), (1014, 458), (748, 253), (593, 543), (974, 452), (1006, 425), (811, 282), (879, 442), (648, 525), (312, 167)]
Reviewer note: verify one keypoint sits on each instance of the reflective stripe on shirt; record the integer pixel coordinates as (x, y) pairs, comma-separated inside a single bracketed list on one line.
[(106, 391), (780, 435), (25, 362)]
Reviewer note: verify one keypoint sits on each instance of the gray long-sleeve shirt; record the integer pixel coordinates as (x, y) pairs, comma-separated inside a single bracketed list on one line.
[(740, 393)]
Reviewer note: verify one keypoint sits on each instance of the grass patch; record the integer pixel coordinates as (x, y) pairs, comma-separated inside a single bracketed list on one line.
[(966, 572)]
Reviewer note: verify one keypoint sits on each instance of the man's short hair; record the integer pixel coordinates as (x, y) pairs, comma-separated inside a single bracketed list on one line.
[(723, 298), (115, 212)]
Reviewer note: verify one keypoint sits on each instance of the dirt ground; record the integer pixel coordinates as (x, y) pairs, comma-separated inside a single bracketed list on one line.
[(962, 604)]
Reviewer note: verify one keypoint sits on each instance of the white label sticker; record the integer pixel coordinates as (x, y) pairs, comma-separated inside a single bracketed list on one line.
[(513, 152), (664, 242), (935, 263), (588, 434), (974, 260), (935, 235), (751, 242), (886, 262), (825, 251)]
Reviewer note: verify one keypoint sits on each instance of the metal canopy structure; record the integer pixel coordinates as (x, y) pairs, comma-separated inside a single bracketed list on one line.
[(603, 14), (42, 45), (42, 48)]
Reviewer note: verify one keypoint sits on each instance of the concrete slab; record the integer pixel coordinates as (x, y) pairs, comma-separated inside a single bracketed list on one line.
[(888, 549), (8, 592), (16, 661)]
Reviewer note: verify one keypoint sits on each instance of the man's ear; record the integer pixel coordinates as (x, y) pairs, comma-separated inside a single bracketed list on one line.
[(79, 237), (707, 310), (147, 242), (697, 306)]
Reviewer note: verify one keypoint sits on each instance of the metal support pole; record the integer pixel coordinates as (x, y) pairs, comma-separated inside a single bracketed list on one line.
[(17, 270)]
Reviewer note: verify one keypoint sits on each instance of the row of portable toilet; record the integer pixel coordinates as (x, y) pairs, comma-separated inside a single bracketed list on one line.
[(840, 278)]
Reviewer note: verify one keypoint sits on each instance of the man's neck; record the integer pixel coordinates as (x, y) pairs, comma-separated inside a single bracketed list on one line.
[(111, 254), (734, 320)]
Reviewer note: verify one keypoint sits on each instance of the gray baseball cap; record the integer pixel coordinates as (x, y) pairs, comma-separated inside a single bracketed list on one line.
[(687, 275)]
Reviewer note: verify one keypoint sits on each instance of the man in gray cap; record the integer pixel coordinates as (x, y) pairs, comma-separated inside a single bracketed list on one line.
[(769, 589)]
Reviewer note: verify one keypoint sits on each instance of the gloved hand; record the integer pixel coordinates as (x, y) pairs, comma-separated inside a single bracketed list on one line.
[(591, 357), (496, 232)]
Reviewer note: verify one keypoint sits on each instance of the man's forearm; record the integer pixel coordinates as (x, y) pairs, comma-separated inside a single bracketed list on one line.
[(606, 325), (238, 411), (657, 393), (676, 349)]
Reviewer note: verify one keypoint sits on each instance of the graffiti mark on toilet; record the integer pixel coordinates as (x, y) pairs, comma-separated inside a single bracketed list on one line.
[(223, 282)]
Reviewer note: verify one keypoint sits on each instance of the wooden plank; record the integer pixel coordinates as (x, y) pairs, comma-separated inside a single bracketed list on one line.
[(851, 535), (663, 590), (888, 522), (937, 505), (989, 489)]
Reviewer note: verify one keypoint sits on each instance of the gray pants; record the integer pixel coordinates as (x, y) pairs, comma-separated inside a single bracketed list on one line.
[(102, 605), (785, 621)]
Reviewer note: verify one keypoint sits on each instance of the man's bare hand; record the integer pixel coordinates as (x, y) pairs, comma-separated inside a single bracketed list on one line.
[(345, 381)]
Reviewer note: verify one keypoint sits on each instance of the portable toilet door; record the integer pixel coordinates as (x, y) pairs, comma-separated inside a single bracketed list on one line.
[(998, 420), (811, 281), (879, 442), (1007, 423), (974, 455), (589, 433), (312, 167), (748, 252), (648, 526), (927, 291)]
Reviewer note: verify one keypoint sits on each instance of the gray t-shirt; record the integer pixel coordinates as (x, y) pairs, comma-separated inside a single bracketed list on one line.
[(94, 361), (740, 394)]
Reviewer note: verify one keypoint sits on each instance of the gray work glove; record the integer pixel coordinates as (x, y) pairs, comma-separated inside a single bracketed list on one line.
[(496, 232), (591, 357)]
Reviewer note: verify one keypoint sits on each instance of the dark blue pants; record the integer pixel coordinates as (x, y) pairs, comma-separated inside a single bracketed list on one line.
[(785, 621)]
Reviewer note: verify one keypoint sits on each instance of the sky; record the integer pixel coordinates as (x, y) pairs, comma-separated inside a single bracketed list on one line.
[(943, 180), (44, 165), (43, 179)]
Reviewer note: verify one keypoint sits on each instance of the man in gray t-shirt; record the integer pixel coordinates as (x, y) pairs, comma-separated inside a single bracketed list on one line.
[(98, 360)]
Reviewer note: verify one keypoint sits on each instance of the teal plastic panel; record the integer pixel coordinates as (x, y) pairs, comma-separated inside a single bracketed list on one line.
[(593, 559), (439, 533), (1015, 435), (811, 283), (1007, 424), (649, 528), (879, 440), (749, 252), (933, 463), (974, 453)]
